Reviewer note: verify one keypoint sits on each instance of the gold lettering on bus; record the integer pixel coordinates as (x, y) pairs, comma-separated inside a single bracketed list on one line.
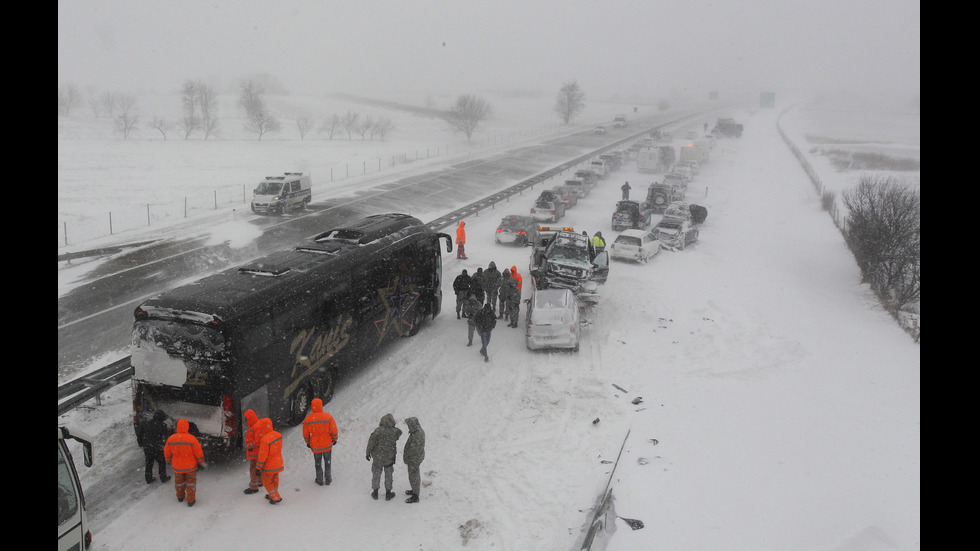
[(310, 356)]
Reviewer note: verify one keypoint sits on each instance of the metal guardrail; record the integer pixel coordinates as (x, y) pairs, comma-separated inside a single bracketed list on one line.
[(92, 385)]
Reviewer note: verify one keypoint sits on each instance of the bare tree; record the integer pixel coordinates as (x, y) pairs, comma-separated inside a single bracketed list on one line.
[(365, 126), (126, 119), (125, 123), (188, 124), (189, 121), (467, 113), (160, 125), (250, 97), (108, 103), (331, 125), (96, 104), (69, 97), (570, 101), (207, 102), (258, 120), (883, 232), (200, 107), (261, 123), (382, 127), (349, 123), (304, 123)]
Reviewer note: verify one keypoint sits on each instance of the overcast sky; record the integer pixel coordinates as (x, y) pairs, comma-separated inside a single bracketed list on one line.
[(625, 47)]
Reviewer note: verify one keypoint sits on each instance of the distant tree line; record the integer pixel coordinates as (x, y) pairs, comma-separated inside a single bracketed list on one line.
[(199, 113)]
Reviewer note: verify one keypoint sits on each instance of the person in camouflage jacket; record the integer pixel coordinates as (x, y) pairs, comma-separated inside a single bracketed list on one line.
[(510, 299), (412, 455), (382, 448)]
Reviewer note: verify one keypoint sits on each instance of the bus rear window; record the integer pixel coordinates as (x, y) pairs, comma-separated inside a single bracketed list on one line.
[(185, 340)]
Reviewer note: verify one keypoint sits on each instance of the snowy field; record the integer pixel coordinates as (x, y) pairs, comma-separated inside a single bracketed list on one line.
[(761, 397)]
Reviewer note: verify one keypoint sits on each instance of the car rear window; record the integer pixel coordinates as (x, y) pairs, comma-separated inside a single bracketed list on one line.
[(511, 223), (628, 240)]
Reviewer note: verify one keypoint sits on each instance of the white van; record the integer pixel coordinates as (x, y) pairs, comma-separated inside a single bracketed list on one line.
[(73, 530), (278, 194)]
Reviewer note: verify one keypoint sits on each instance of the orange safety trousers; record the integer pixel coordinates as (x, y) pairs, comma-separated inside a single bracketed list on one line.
[(253, 479), (186, 485), (271, 483)]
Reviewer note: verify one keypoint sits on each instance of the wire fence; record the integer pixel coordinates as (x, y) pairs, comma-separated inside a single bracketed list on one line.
[(205, 201)]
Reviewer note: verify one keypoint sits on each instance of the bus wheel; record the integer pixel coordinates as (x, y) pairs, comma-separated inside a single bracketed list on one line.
[(299, 403), (417, 317), (326, 387)]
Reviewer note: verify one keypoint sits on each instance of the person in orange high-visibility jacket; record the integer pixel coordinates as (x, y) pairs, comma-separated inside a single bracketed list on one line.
[(270, 458), (461, 240), (252, 452), (184, 453), (517, 277), (320, 433)]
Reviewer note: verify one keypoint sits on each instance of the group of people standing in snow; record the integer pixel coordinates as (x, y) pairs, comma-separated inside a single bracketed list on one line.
[(263, 450), (485, 297)]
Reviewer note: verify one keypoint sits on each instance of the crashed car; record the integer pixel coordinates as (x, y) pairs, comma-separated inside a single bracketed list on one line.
[(568, 261), (516, 229), (636, 245), (630, 214), (678, 209), (676, 233), (552, 320)]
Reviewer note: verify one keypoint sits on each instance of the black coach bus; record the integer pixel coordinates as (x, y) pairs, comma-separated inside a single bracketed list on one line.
[(277, 332)]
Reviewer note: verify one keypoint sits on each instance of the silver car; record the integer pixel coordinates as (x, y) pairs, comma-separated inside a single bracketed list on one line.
[(636, 245), (676, 233), (553, 320)]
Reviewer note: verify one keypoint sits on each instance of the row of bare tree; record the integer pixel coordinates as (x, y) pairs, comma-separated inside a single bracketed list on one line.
[(199, 106)]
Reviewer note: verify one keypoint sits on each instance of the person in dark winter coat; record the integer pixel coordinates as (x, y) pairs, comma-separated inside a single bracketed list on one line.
[(382, 448), (412, 455), (491, 285), (152, 437), (477, 285), (470, 309), (510, 299), (461, 286), (485, 322), (626, 191)]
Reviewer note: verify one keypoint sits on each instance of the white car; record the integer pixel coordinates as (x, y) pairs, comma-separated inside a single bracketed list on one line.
[(552, 320), (635, 245)]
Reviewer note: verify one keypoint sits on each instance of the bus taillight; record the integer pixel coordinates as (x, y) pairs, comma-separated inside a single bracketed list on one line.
[(227, 409)]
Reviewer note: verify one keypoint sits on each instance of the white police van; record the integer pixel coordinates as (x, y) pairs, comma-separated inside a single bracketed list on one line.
[(278, 194)]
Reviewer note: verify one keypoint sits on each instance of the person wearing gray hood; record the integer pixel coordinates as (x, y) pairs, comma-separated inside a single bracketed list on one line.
[(412, 455), (382, 447)]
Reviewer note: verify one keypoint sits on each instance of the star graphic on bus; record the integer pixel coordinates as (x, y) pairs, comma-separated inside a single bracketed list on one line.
[(398, 302)]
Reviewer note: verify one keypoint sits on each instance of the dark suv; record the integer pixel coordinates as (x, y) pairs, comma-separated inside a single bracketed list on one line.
[(661, 195)]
